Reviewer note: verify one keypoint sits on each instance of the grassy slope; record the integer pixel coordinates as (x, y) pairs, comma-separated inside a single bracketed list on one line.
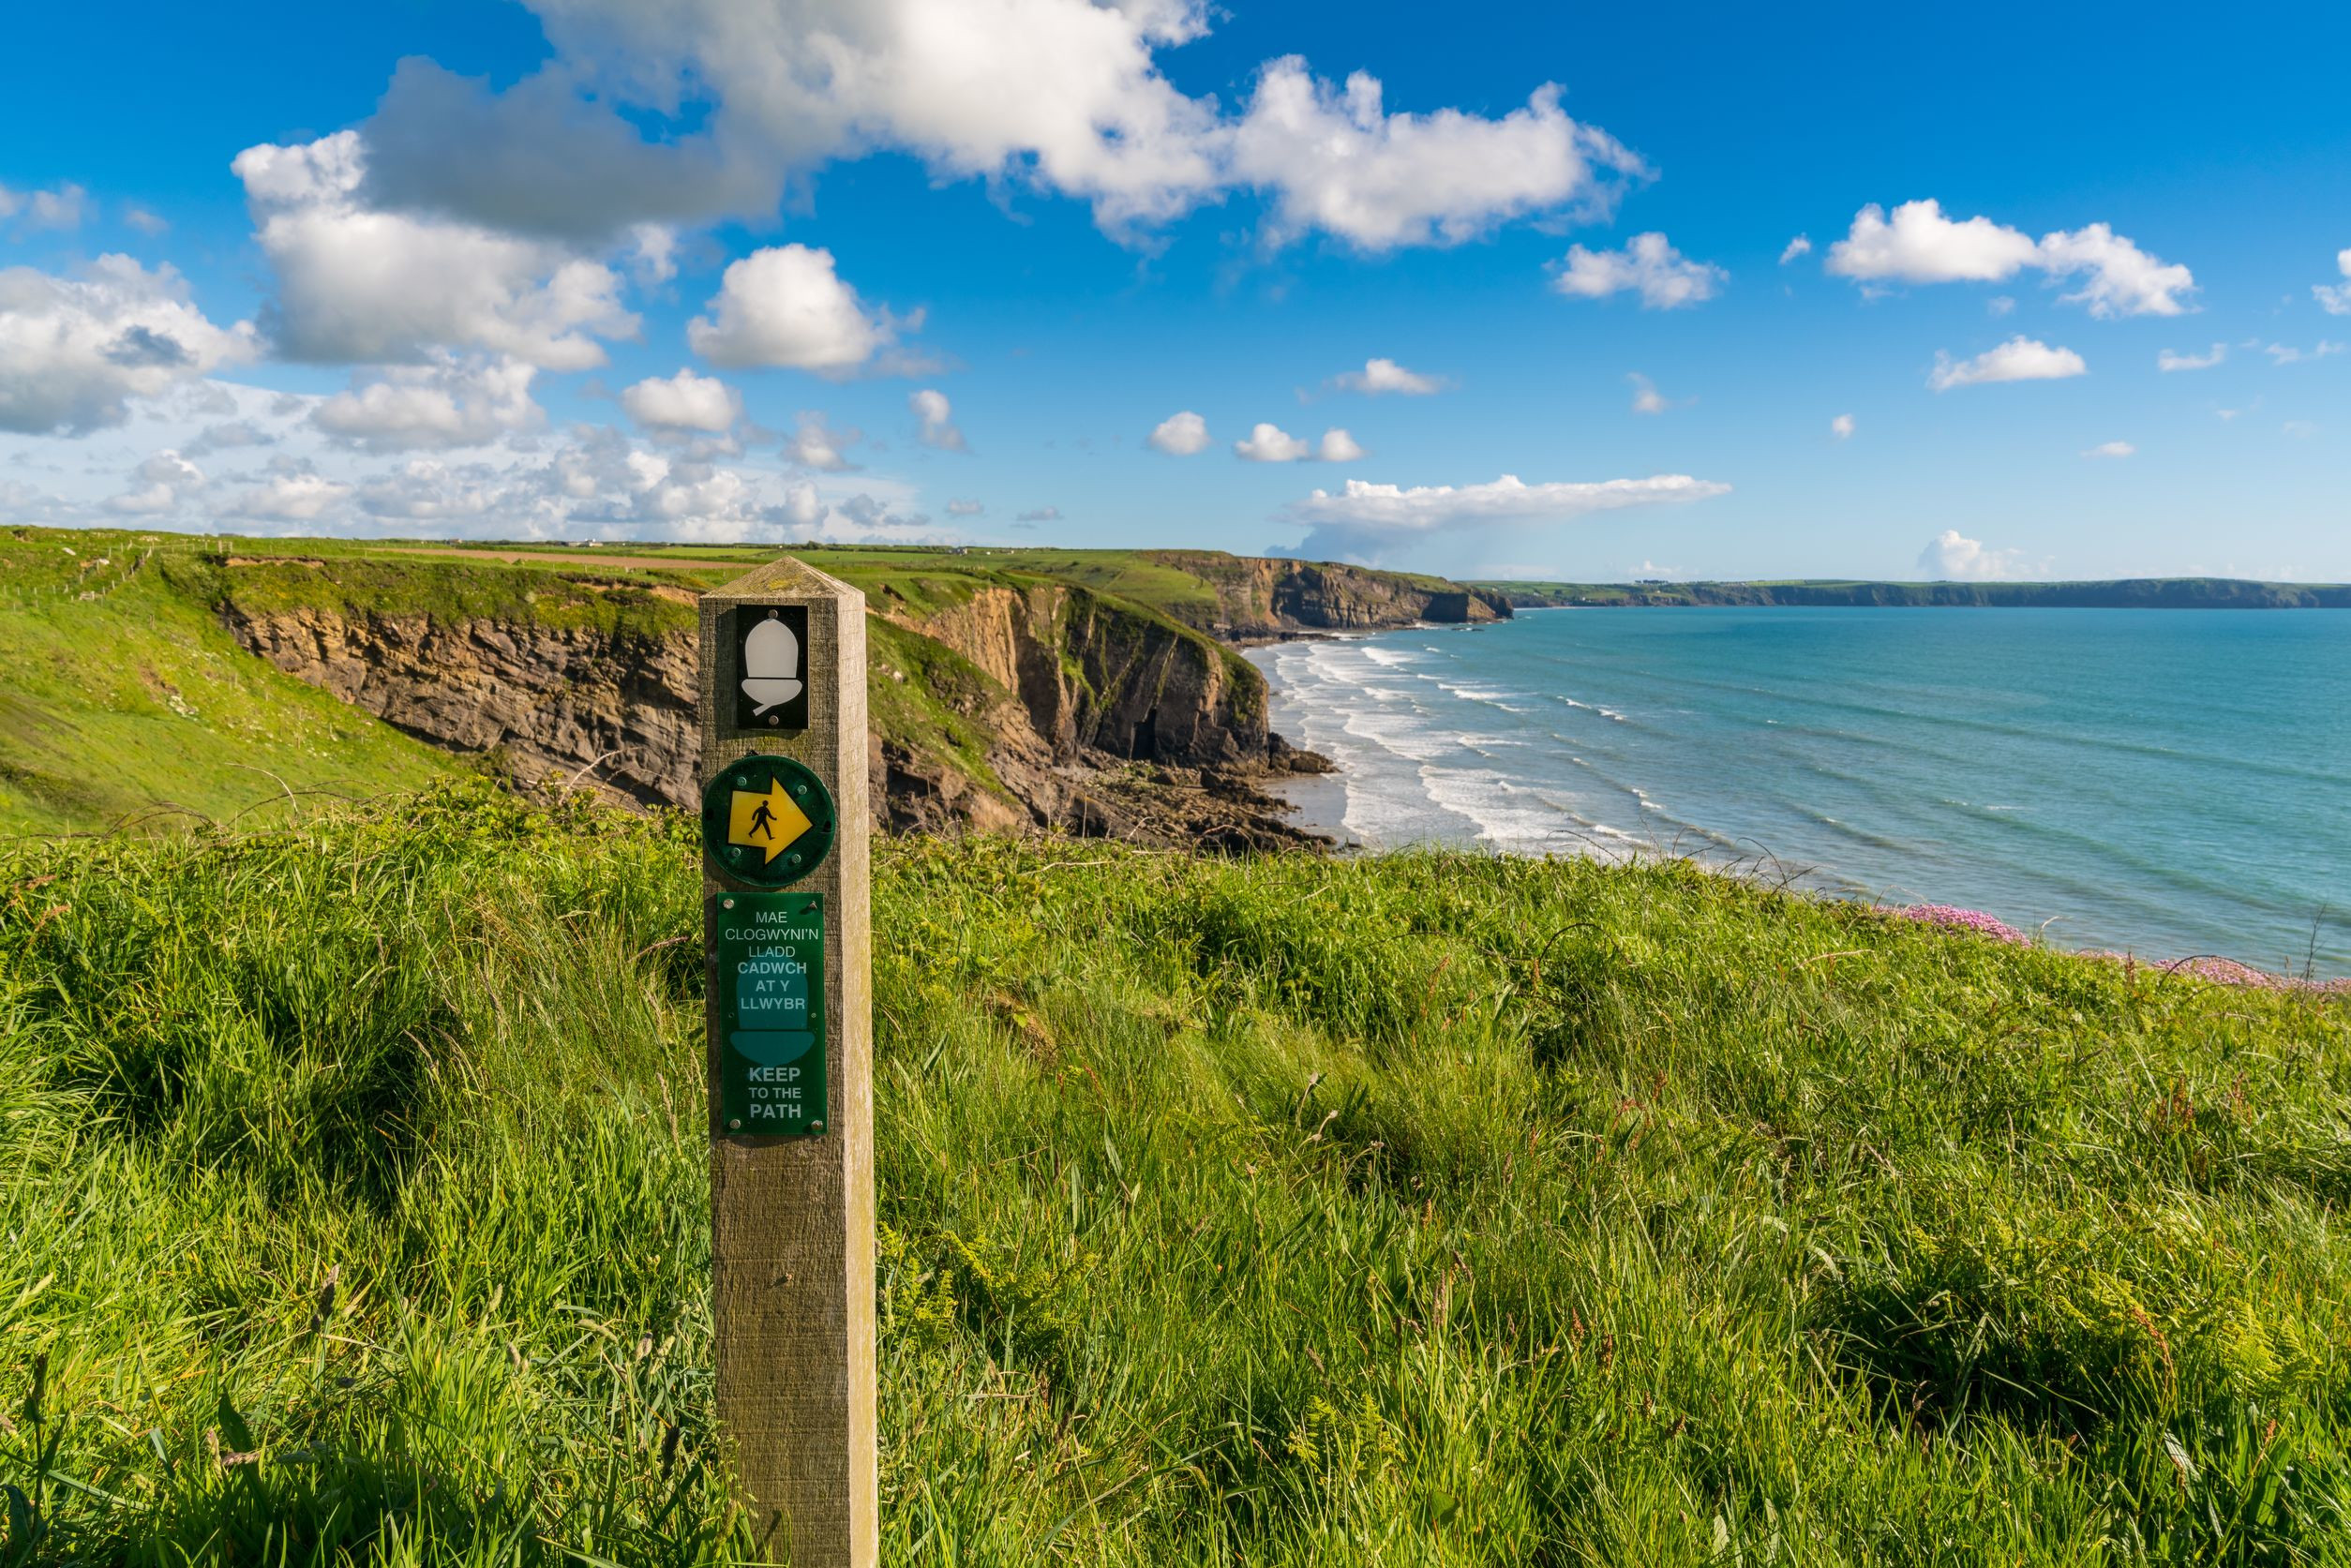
[(134, 703), (117, 704), (121, 697), (1420, 1210)]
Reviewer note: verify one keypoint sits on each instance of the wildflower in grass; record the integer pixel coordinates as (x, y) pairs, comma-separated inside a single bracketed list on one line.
[(2228, 971), (1962, 920)]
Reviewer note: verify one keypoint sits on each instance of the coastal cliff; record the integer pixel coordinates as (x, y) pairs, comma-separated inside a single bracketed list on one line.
[(1259, 599), (1094, 691), (1003, 702), (536, 699)]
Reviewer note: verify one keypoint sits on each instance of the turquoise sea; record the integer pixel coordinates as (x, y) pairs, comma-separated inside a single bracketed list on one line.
[(2168, 783)]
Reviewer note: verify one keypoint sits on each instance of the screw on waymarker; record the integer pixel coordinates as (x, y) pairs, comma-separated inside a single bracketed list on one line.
[(734, 1123)]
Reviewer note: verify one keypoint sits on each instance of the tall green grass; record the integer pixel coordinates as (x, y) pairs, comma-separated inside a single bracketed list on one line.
[(1418, 1209)]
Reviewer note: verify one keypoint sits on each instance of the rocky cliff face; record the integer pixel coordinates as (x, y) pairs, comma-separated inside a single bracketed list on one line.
[(1101, 718), (1096, 717), (1259, 598), (545, 699)]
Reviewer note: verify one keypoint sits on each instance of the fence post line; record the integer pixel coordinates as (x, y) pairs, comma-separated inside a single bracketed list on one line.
[(788, 900)]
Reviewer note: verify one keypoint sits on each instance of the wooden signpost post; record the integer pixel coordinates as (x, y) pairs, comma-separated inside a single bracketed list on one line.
[(788, 930)]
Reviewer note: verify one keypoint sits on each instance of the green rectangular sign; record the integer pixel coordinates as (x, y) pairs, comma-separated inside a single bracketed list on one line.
[(768, 950)]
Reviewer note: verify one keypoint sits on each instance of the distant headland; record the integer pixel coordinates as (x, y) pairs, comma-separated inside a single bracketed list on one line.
[(2128, 593)]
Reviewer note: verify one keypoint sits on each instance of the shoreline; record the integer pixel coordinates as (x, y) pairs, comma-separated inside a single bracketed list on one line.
[(1321, 804)]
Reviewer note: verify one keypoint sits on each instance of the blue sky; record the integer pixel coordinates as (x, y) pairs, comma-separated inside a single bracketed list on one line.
[(982, 250)]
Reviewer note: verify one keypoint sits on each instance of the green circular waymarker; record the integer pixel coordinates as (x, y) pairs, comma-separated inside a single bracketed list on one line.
[(767, 820)]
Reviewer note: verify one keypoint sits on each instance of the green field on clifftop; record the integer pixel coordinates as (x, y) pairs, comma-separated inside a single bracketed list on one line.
[(126, 698), (123, 700), (1428, 1209)]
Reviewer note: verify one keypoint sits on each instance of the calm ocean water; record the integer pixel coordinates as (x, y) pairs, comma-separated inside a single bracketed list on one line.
[(2165, 781)]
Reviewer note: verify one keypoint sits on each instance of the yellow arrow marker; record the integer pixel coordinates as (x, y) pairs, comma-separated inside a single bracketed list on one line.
[(770, 822)]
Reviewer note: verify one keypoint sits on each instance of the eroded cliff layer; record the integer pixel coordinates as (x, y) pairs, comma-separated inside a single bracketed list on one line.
[(617, 706), (1014, 703)]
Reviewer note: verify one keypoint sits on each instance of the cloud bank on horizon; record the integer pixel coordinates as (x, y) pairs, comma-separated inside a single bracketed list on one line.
[(601, 292)]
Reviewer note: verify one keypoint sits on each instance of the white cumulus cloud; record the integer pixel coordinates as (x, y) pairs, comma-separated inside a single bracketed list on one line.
[(74, 350), (1952, 556), (2019, 358), (1180, 435), (292, 498), (1367, 521), (707, 108), (2167, 360), (685, 401), (424, 489), (786, 306), (937, 417), (1384, 374), (2335, 298), (2111, 449), (592, 480), (2285, 353), (1664, 276), (802, 507), (1842, 426), (359, 283), (1333, 159), (1270, 443), (816, 444), (62, 208), (965, 508), (1646, 397), (1800, 246), (1920, 244), (448, 402), (159, 485)]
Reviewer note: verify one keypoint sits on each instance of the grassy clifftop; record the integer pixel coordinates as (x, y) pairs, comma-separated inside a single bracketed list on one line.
[(1435, 1209), (126, 693), (122, 697)]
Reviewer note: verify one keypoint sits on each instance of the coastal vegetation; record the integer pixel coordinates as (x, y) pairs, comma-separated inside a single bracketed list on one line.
[(1420, 1208), (167, 679)]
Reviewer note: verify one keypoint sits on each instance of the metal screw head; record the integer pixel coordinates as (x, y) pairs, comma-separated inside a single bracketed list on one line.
[(734, 1123), (816, 1126), (796, 859), (730, 904), (801, 790)]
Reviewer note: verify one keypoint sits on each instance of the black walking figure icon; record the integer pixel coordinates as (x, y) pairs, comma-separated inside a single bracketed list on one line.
[(762, 821)]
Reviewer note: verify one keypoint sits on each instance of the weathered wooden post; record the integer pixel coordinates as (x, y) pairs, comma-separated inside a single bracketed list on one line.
[(789, 930)]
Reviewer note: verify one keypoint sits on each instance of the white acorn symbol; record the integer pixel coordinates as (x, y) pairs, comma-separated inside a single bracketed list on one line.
[(770, 665)]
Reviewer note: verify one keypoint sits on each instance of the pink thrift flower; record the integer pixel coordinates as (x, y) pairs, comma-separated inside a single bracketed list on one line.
[(1955, 919)]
